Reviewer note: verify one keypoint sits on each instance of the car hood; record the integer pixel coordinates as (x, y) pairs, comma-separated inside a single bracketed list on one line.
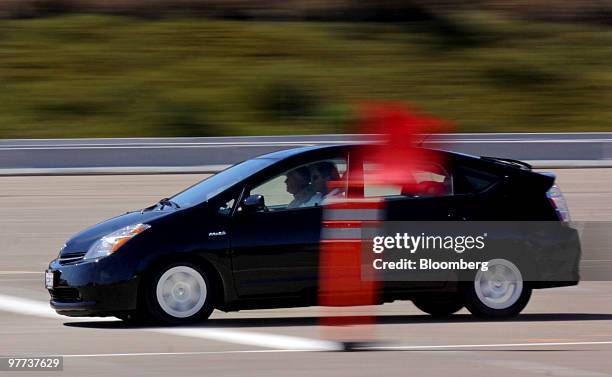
[(82, 241)]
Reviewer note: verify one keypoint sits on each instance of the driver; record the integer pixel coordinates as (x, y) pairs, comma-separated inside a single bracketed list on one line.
[(321, 174), (298, 185)]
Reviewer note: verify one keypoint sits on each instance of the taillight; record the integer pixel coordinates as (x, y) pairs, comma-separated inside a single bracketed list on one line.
[(558, 201)]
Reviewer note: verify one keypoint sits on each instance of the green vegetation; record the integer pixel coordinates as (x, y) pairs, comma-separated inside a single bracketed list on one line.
[(113, 76)]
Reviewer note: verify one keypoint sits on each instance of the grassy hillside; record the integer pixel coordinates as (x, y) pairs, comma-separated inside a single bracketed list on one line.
[(112, 76)]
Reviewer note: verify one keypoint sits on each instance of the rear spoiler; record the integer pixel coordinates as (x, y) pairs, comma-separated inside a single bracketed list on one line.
[(509, 161)]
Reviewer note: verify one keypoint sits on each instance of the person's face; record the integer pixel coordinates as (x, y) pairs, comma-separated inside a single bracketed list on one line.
[(295, 183), (319, 183)]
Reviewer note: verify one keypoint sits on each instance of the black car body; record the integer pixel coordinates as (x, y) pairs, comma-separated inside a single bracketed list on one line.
[(269, 258)]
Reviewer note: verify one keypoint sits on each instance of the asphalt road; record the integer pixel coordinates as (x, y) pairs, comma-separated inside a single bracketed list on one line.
[(211, 153), (563, 332)]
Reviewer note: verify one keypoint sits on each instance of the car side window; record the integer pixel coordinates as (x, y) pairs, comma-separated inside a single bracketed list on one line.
[(429, 179), (304, 186)]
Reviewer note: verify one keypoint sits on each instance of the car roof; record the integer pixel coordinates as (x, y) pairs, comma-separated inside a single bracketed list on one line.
[(285, 153), (299, 152)]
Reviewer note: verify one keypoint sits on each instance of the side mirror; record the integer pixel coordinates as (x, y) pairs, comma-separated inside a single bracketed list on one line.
[(254, 203)]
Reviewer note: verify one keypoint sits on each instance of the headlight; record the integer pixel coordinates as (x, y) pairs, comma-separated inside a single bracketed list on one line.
[(111, 242)]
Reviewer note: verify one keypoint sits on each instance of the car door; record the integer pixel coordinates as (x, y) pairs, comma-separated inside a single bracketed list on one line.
[(275, 251)]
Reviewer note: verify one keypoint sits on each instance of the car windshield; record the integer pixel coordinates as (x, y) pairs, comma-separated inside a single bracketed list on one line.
[(215, 184)]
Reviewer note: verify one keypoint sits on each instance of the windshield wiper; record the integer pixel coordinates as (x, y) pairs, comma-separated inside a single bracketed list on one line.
[(166, 202)]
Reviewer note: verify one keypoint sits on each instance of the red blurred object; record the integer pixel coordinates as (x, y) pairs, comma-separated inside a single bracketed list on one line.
[(340, 262), (402, 130)]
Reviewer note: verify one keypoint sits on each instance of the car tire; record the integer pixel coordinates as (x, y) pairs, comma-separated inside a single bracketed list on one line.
[(439, 306), (179, 293), (497, 293)]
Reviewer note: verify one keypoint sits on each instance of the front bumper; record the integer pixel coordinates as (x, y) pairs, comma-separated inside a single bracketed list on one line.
[(92, 288)]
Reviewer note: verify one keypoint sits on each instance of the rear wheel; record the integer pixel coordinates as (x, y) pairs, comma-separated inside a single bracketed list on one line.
[(179, 293), (439, 306), (499, 292)]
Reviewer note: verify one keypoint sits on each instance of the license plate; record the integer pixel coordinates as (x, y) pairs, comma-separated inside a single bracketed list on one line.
[(49, 279)]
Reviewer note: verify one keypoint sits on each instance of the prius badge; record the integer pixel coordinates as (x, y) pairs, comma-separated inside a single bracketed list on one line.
[(216, 234)]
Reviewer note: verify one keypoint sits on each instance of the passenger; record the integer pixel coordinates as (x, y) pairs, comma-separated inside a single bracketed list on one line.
[(298, 185), (321, 174)]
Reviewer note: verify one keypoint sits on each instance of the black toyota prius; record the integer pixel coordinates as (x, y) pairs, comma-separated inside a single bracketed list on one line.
[(249, 237)]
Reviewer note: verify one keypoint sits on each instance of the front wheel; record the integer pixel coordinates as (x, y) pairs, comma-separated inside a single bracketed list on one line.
[(179, 293), (499, 292)]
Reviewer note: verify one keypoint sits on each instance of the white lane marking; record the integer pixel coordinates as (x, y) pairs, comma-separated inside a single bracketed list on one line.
[(172, 146), (38, 309), (534, 141), (20, 272), (175, 353), (178, 144), (253, 338), (111, 170), (25, 306), (494, 345)]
